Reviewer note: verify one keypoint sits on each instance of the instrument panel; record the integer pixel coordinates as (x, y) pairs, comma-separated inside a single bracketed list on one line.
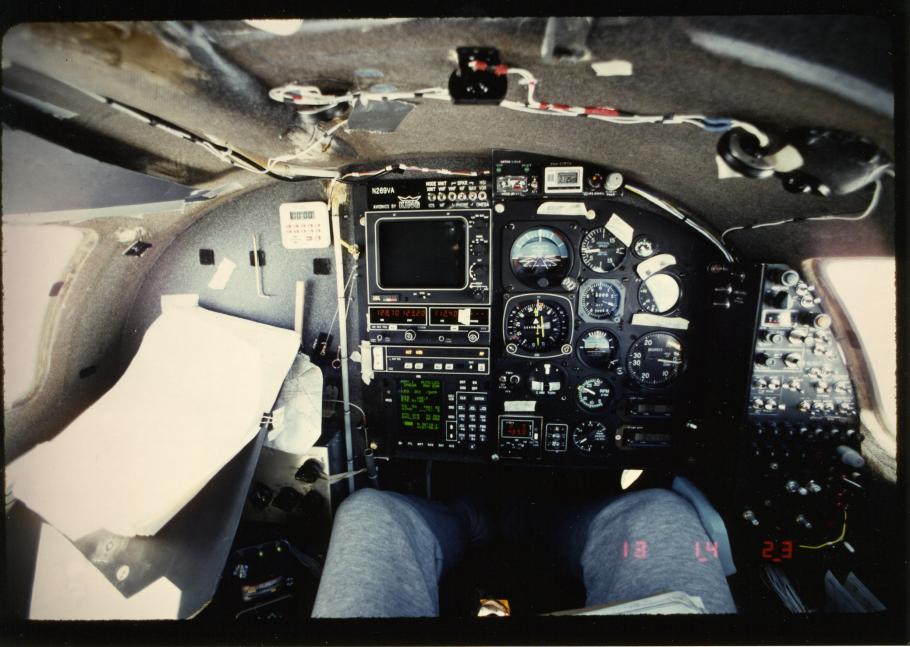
[(531, 316), (537, 312)]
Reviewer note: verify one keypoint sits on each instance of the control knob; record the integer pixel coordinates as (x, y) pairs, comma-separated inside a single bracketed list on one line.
[(788, 278), (473, 336), (765, 360), (479, 272), (772, 337), (805, 523), (410, 335), (818, 320), (793, 360)]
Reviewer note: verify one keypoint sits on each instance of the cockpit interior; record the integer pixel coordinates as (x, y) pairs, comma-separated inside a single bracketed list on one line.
[(482, 325)]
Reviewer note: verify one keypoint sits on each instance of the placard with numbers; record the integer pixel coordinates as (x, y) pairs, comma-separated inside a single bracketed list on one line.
[(305, 225)]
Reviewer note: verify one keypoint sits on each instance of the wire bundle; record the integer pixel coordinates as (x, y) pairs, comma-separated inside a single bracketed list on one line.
[(605, 113)]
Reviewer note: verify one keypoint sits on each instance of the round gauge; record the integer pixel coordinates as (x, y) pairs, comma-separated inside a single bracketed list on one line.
[(537, 325), (655, 359), (593, 394), (590, 437), (596, 348), (643, 247), (601, 251), (540, 257), (659, 293), (546, 379), (599, 299)]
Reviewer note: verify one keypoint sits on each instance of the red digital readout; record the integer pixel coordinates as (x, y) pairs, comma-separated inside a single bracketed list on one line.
[(444, 316), (398, 315), (516, 429), (637, 549), (777, 551)]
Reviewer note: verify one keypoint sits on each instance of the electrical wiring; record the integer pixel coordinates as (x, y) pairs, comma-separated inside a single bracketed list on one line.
[(607, 113), (840, 538), (865, 214), (223, 152), (363, 417), (677, 213), (416, 169), (308, 95)]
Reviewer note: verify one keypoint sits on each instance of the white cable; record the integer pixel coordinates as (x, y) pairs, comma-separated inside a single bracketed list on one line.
[(270, 164), (674, 211), (865, 214)]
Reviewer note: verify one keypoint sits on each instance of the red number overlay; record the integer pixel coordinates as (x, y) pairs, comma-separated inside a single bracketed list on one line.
[(708, 552), (777, 552), (639, 549)]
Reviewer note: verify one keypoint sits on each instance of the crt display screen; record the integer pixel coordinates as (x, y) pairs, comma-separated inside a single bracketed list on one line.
[(414, 253), (420, 403)]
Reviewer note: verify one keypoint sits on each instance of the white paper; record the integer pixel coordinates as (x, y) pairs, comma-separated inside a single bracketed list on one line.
[(191, 398), (222, 275), (67, 586), (299, 425), (674, 602), (621, 229), (615, 67)]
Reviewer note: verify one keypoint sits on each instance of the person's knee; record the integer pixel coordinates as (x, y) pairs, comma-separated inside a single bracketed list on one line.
[(647, 507), (364, 502)]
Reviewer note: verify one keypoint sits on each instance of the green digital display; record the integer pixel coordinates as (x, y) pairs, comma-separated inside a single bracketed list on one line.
[(420, 405)]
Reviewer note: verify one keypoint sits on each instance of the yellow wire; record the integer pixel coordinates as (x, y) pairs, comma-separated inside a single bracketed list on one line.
[(843, 533)]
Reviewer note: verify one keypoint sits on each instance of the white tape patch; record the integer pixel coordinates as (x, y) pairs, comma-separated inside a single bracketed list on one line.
[(513, 406), (654, 265), (621, 229), (724, 171), (222, 274), (647, 319), (615, 67), (564, 209)]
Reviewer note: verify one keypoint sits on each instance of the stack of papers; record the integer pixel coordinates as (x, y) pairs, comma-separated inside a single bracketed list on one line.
[(192, 397)]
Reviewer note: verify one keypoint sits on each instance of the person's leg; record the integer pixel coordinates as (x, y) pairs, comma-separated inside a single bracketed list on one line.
[(386, 555), (644, 543)]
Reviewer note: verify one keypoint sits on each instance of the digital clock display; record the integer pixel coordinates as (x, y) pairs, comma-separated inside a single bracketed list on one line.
[(563, 178), (516, 429)]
